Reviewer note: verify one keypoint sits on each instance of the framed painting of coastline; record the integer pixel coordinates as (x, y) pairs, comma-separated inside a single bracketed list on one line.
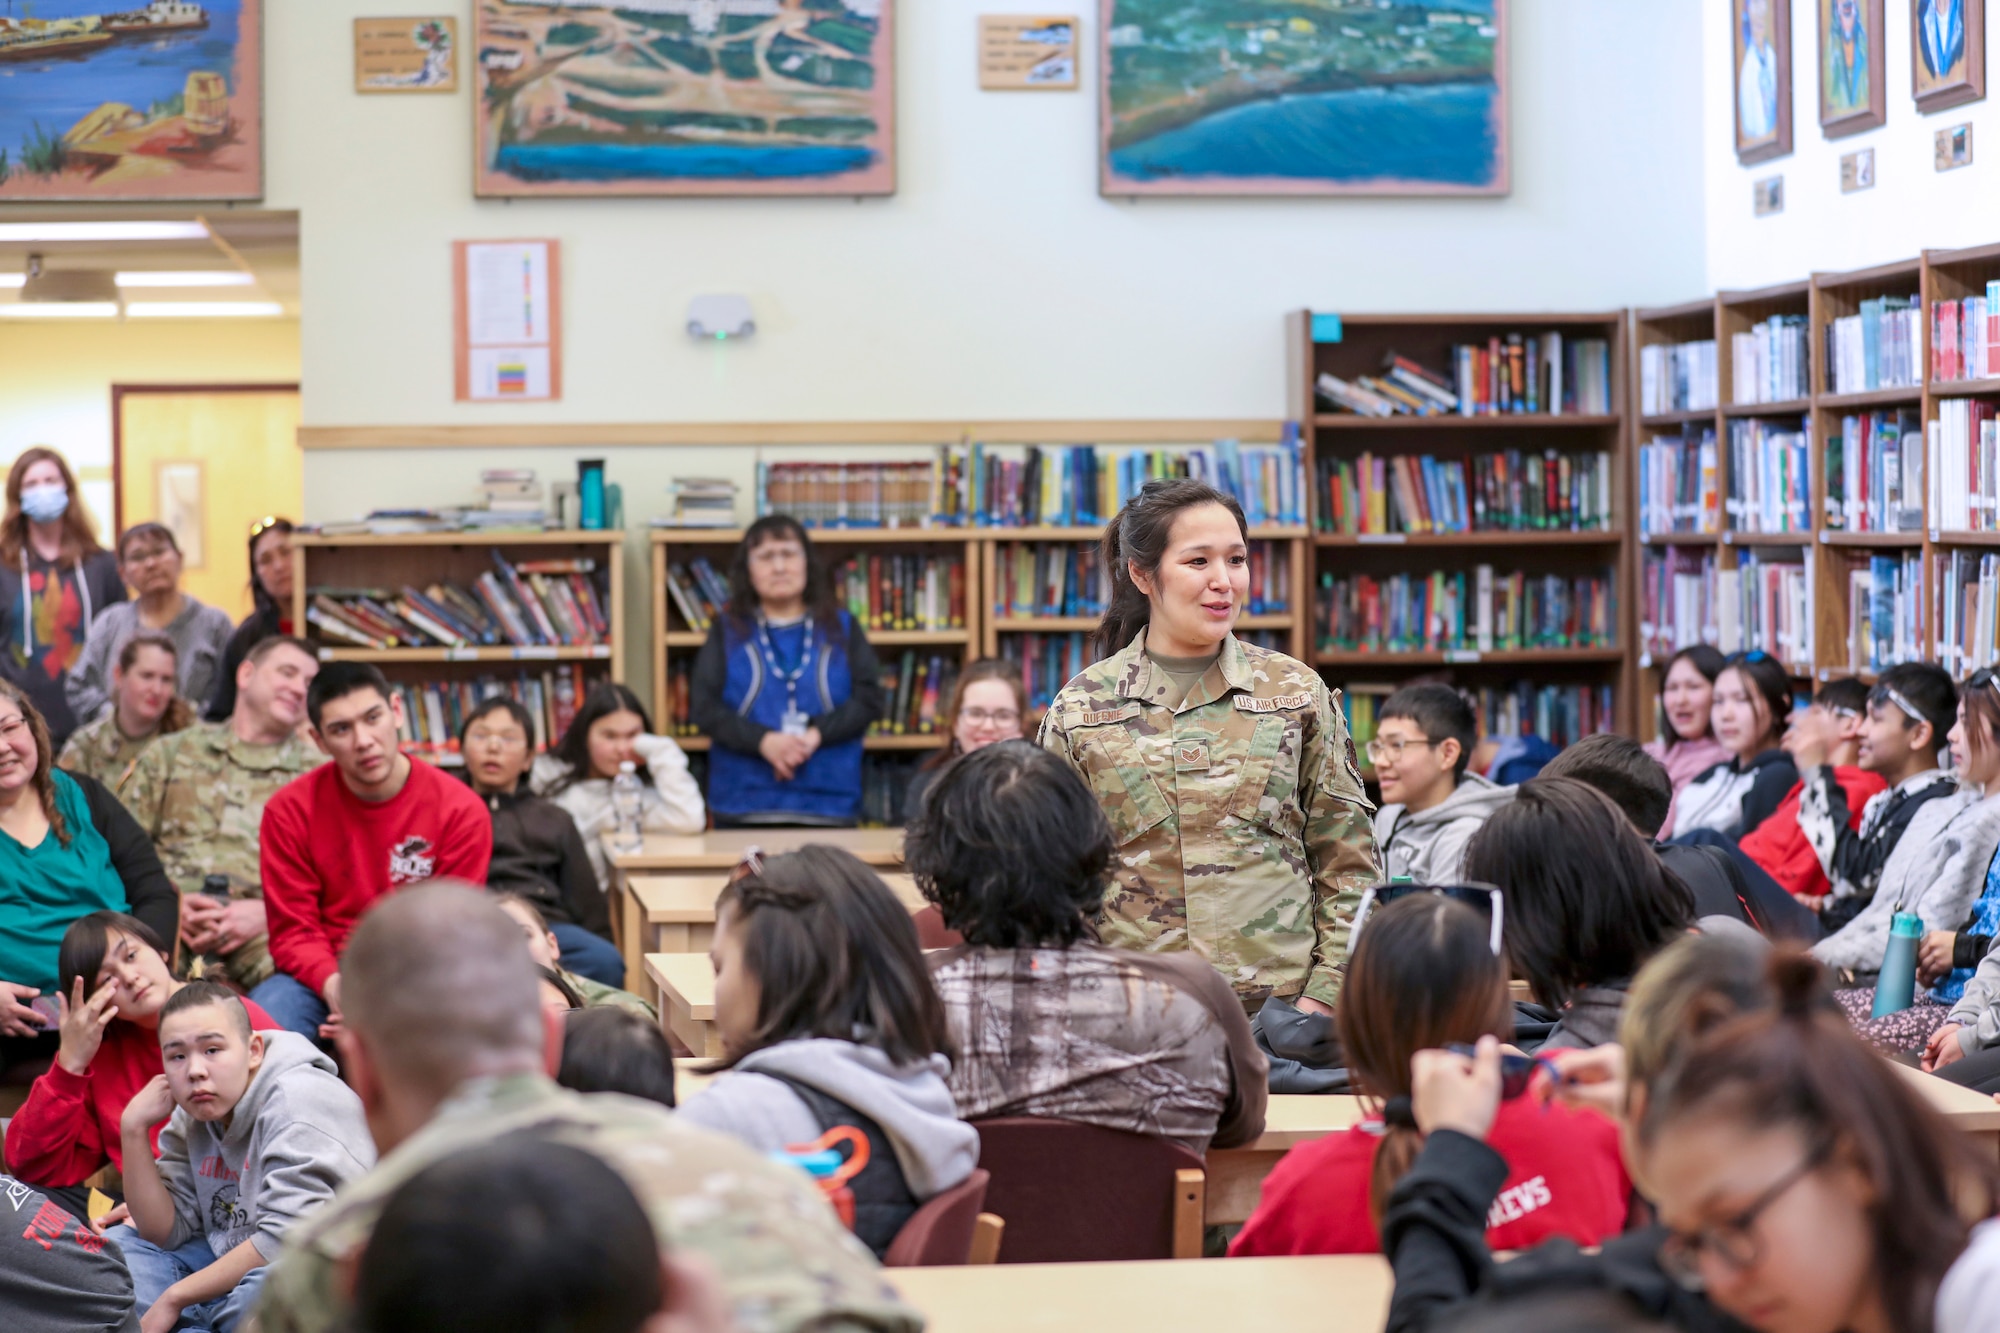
[(1272, 97), (132, 101), (1760, 35), (1853, 92), (1947, 53), (684, 97)]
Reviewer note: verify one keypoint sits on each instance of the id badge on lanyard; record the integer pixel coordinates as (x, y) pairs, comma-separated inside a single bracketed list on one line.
[(795, 721)]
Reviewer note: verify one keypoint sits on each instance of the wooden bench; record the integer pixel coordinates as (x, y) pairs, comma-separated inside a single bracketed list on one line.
[(1974, 1113), (686, 986)]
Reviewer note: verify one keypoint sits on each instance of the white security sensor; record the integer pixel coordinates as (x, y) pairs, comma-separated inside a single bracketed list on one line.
[(720, 318)]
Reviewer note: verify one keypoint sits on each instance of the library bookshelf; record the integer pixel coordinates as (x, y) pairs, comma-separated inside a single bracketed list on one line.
[(543, 674), (1363, 346)]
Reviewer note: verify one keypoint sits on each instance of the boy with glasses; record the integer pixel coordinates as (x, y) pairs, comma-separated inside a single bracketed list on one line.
[(1431, 806)]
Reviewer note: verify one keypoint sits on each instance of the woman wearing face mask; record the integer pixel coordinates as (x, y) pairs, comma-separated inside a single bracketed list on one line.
[(54, 580), (271, 592), (149, 559), (143, 708), (988, 705)]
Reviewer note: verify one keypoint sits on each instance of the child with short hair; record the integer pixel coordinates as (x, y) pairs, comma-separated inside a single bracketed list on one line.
[(1424, 736), (1828, 729), (262, 1133), (546, 949)]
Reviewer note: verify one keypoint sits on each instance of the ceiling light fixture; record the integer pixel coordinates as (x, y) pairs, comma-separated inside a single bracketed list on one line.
[(13, 280), (204, 277), (25, 233), (60, 310), (203, 310)]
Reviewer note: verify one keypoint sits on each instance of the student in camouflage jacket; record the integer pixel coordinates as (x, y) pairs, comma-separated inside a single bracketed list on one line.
[(200, 796), (1226, 769)]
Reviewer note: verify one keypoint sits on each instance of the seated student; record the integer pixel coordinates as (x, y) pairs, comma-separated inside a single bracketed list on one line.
[(1687, 747), (57, 1275), (447, 1049), (1430, 804), (525, 1235), (263, 1132), (557, 996), (610, 729), (115, 980), (1753, 699), (988, 705), (143, 709), (349, 832), (1016, 852), (1829, 730), (1586, 902), (1424, 973), (1923, 844), (149, 559), (546, 950), (827, 1017), (537, 851), (200, 795), (616, 1050)]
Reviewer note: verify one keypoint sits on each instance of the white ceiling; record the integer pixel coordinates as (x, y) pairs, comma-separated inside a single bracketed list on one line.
[(264, 245)]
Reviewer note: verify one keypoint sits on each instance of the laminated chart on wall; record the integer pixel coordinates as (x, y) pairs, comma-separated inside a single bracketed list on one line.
[(507, 321)]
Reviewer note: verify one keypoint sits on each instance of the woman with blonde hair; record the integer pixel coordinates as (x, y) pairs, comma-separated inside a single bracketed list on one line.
[(989, 704), (144, 707)]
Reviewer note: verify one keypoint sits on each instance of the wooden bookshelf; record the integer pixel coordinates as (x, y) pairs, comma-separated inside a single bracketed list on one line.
[(1364, 343)]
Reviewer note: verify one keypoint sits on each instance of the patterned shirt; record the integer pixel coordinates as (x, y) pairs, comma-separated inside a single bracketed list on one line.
[(100, 750)]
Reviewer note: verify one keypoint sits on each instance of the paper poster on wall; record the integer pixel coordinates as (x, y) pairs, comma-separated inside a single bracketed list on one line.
[(507, 321), (182, 505), (1019, 52)]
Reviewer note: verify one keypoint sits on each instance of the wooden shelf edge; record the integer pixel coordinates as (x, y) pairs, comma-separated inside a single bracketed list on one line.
[(1908, 395), (1964, 388), (1834, 537), (557, 435), (698, 744), (557, 537), (1455, 421), (475, 656), (1791, 407), (1445, 539), (1469, 657)]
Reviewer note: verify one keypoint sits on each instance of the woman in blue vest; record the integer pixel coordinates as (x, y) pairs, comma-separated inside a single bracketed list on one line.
[(786, 687)]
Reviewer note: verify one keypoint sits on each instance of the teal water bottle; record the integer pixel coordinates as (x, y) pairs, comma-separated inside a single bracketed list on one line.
[(1896, 986)]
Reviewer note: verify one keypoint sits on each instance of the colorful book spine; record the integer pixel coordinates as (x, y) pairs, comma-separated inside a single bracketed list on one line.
[(1511, 491), (1464, 611)]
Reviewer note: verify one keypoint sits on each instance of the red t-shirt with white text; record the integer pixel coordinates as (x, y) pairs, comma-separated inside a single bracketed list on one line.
[(1564, 1178)]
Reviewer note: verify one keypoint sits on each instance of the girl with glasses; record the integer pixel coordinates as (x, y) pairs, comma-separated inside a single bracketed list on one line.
[(271, 613), (988, 705), (1753, 699)]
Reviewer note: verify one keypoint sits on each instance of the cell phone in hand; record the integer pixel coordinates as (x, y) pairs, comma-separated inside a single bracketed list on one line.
[(47, 1010)]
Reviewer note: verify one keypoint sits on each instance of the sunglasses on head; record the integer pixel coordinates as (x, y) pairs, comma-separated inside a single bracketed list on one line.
[(1754, 655), (1889, 694), (1481, 898), (1517, 1072), (1985, 677)]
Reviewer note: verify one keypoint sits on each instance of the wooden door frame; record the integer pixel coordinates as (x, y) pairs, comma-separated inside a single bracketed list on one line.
[(118, 396)]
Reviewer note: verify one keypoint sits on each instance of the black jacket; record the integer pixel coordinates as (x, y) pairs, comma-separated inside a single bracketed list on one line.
[(1434, 1234), (258, 626), (103, 586), (538, 854), (152, 895)]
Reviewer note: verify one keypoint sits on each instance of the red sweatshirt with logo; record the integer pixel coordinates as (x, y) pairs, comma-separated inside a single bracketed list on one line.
[(1564, 1178), (326, 855)]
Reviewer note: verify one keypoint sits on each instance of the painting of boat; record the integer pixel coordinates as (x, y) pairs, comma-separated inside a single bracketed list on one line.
[(35, 39), (160, 16)]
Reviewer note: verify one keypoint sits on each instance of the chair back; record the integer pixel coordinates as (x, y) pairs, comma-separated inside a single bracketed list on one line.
[(1073, 1193), (932, 932), (939, 1234)]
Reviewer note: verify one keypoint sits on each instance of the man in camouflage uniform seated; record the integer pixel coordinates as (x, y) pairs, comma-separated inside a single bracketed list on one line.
[(444, 1039), (200, 795)]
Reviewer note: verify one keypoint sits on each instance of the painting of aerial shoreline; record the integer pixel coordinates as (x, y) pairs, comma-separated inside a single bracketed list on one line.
[(685, 97), (131, 100), (1257, 97)]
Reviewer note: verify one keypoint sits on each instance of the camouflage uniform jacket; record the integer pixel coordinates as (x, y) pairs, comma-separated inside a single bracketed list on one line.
[(99, 750), (785, 1261), (597, 995), (1243, 830), (200, 795)]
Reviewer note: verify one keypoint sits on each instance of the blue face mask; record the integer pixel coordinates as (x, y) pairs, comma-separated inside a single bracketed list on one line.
[(45, 503)]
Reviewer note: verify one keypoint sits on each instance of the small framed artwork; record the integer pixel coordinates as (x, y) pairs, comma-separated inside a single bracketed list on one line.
[(182, 504), (406, 55), (1947, 53), (1857, 170), (1019, 54), (1953, 147), (1853, 86), (1769, 196), (1761, 43)]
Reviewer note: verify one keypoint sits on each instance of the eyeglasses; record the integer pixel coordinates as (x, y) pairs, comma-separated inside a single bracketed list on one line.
[(1517, 1072), (498, 740), (1391, 749), (979, 717), (149, 555), (12, 727), (1836, 710), (1734, 1241), (1481, 898)]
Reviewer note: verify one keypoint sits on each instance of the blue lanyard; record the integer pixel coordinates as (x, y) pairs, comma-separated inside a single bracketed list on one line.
[(770, 651)]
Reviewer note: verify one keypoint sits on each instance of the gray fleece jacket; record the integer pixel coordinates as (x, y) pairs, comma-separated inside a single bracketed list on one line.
[(1429, 846), (201, 637), (296, 1137), (1937, 868), (912, 1104)]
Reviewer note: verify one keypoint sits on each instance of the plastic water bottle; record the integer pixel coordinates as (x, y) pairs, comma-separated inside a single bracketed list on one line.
[(1896, 986), (628, 798)]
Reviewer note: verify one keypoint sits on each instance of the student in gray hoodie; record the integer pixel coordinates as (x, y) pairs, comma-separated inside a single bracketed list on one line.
[(1431, 806), (262, 1133), (828, 1018)]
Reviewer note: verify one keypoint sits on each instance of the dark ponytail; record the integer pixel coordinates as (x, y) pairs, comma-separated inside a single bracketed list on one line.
[(1139, 536)]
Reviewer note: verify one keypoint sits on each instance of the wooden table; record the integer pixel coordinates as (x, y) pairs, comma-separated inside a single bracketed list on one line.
[(678, 911), (1975, 1113), (1236, 1175), (1345, 1293), (686, 986)]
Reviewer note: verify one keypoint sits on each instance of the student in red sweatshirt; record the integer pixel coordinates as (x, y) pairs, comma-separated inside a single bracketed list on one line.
[(350, 832), (115, 980), (1424, 974), (1827, 732)]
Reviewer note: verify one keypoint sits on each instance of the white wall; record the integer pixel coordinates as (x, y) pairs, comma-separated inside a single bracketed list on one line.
[(1913, 207)]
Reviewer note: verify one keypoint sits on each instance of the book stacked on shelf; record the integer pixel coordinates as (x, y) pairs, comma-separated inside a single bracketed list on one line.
[(885, 788), (1051, 579), (1677, 377), (849, 495), (1875, 474), (1678, 483), (1360, 704), (1677, 599), (1765, 605), (700, 502), (696, 589), (891, 591), (1086, 485), (1403, 389), (1879, 348), (1965, 337), (1544, 373), (1885, 612), (1509, 491), (510, 499), (679, 707), (1968, 611), (1769, 489), (1048, 662), (918, 688), (1559, 714), (1464, 611), (392, 523), (1768, 364), (433, 711), (529, 603), (1963, 456)]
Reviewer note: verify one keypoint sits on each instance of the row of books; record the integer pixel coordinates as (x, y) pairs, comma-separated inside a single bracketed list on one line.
[(1511, 491), (918, 689), (1679, 484), (850, 495), (1769, 364), (547, 603), (1968, 611), (696, 588), (1963, 453), (1770, 489), (890, 591), (433, 711), (1875, 474), (1559, 714), (1677, 377), (1677, 599), (1048, 662), (1070, 579), (700, 502), (1878, 348), (1965, 337), (1885, 611), (1404, 388), (1765, 605), (1464, 611), (1545, 373)]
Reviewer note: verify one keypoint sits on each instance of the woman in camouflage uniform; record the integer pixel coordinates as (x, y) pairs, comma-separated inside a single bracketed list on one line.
[(1226, 769)]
